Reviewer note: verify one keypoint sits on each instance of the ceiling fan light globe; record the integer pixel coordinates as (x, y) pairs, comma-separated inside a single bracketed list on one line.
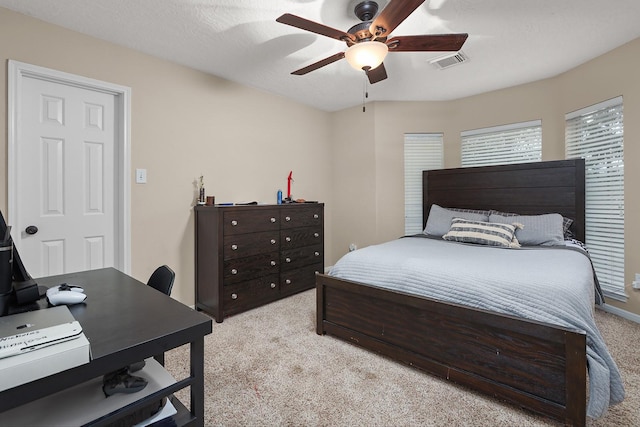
[(366, 55)]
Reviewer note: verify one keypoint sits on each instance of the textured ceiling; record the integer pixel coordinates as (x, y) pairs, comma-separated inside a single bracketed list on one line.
[(510, 42)]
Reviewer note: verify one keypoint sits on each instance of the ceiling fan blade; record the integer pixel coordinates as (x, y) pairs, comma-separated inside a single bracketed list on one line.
[(377, 74), (392, 15), (314, 27), (427, 43), (319, 64)]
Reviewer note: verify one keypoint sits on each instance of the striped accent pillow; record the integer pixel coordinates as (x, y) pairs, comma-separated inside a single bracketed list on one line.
[(483, 233)]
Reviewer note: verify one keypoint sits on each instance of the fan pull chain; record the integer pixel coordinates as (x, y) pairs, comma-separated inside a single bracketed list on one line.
[(365, 94)]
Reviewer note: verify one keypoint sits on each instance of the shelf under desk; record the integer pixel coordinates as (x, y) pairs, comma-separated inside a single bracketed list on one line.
[(125, 321)]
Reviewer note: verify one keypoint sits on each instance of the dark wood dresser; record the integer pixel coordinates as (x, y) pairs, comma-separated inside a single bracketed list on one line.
[(248, 256)]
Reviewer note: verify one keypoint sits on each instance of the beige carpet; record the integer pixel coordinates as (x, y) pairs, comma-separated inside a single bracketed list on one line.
[(268, 367)]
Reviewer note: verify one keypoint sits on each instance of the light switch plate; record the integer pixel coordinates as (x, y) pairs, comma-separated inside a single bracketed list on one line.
[(141, 176)]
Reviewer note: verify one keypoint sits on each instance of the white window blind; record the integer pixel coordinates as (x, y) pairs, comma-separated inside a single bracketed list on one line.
[(596, 134), (499, 145), (422, 151)]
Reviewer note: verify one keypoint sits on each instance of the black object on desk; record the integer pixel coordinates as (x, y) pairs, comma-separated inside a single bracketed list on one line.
[(16, 285), (125, 321)]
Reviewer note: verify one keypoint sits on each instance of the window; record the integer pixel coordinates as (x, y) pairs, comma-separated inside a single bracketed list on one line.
[(515, 143), (422, 151), (596, 134)]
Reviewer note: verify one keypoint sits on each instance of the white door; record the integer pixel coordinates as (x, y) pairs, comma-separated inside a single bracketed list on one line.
[(67, 200)]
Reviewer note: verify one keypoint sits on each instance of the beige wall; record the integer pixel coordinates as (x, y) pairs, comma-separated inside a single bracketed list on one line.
[(605, 77), (186, 123), (354, 175)]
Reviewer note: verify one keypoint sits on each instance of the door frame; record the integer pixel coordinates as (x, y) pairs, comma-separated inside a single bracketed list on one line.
[(16, 72)]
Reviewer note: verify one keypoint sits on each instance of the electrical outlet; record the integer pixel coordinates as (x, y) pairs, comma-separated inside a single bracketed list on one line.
[(636, 283)]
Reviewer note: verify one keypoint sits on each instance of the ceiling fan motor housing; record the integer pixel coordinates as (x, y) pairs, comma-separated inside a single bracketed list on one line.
[(361, 31)]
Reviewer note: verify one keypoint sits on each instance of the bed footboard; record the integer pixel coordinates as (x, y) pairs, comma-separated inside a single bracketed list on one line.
[(533, 365)]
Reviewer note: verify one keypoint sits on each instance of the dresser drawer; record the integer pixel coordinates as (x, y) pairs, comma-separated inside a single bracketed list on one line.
[(251, 221), (302, 236), (241, 269), (252, 293), (298, 257), (242, 245), (301, 217), (300, 279)]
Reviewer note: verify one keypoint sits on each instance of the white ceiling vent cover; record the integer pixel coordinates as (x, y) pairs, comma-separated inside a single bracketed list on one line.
[(449, 60)]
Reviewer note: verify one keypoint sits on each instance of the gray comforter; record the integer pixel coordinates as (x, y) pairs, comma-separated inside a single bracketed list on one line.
[(552, 285)]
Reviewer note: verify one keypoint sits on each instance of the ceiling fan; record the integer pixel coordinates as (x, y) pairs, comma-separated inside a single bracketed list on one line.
[(368, 41)]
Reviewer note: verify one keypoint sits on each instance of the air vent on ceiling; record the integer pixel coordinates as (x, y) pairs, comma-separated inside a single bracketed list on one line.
[(449, 60)]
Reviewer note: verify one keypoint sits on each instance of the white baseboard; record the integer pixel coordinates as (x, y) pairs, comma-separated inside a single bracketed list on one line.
[(619, 312)]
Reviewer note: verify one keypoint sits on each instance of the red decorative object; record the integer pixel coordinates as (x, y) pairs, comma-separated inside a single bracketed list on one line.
[(289, 185)]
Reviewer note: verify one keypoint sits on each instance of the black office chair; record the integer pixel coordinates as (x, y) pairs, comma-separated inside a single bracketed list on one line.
[(162, 279), (121, 381)]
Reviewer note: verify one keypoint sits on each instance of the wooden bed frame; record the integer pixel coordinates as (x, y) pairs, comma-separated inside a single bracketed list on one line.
[(537, 366)]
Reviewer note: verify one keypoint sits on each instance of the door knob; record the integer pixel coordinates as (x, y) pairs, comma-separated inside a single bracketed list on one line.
[(32, 229)]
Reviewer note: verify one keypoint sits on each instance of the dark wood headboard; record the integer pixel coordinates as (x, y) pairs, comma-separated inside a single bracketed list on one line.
[(525, 188)]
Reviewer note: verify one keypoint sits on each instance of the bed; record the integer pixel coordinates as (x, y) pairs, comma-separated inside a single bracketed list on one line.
[(536, 364)]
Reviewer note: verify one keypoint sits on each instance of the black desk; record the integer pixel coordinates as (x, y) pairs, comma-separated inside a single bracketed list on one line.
[(125, 321)]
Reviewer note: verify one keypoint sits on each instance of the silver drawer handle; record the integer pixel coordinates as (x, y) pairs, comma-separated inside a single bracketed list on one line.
[(234, 271), (234, 296), (234, 222), (288, 239), (234, 247), (273, 241), (287, 218), (273, 285), (316, 216), (316, 234), (288, 281), (273, 219), (273, 263), (287, 259), (316, 253)]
